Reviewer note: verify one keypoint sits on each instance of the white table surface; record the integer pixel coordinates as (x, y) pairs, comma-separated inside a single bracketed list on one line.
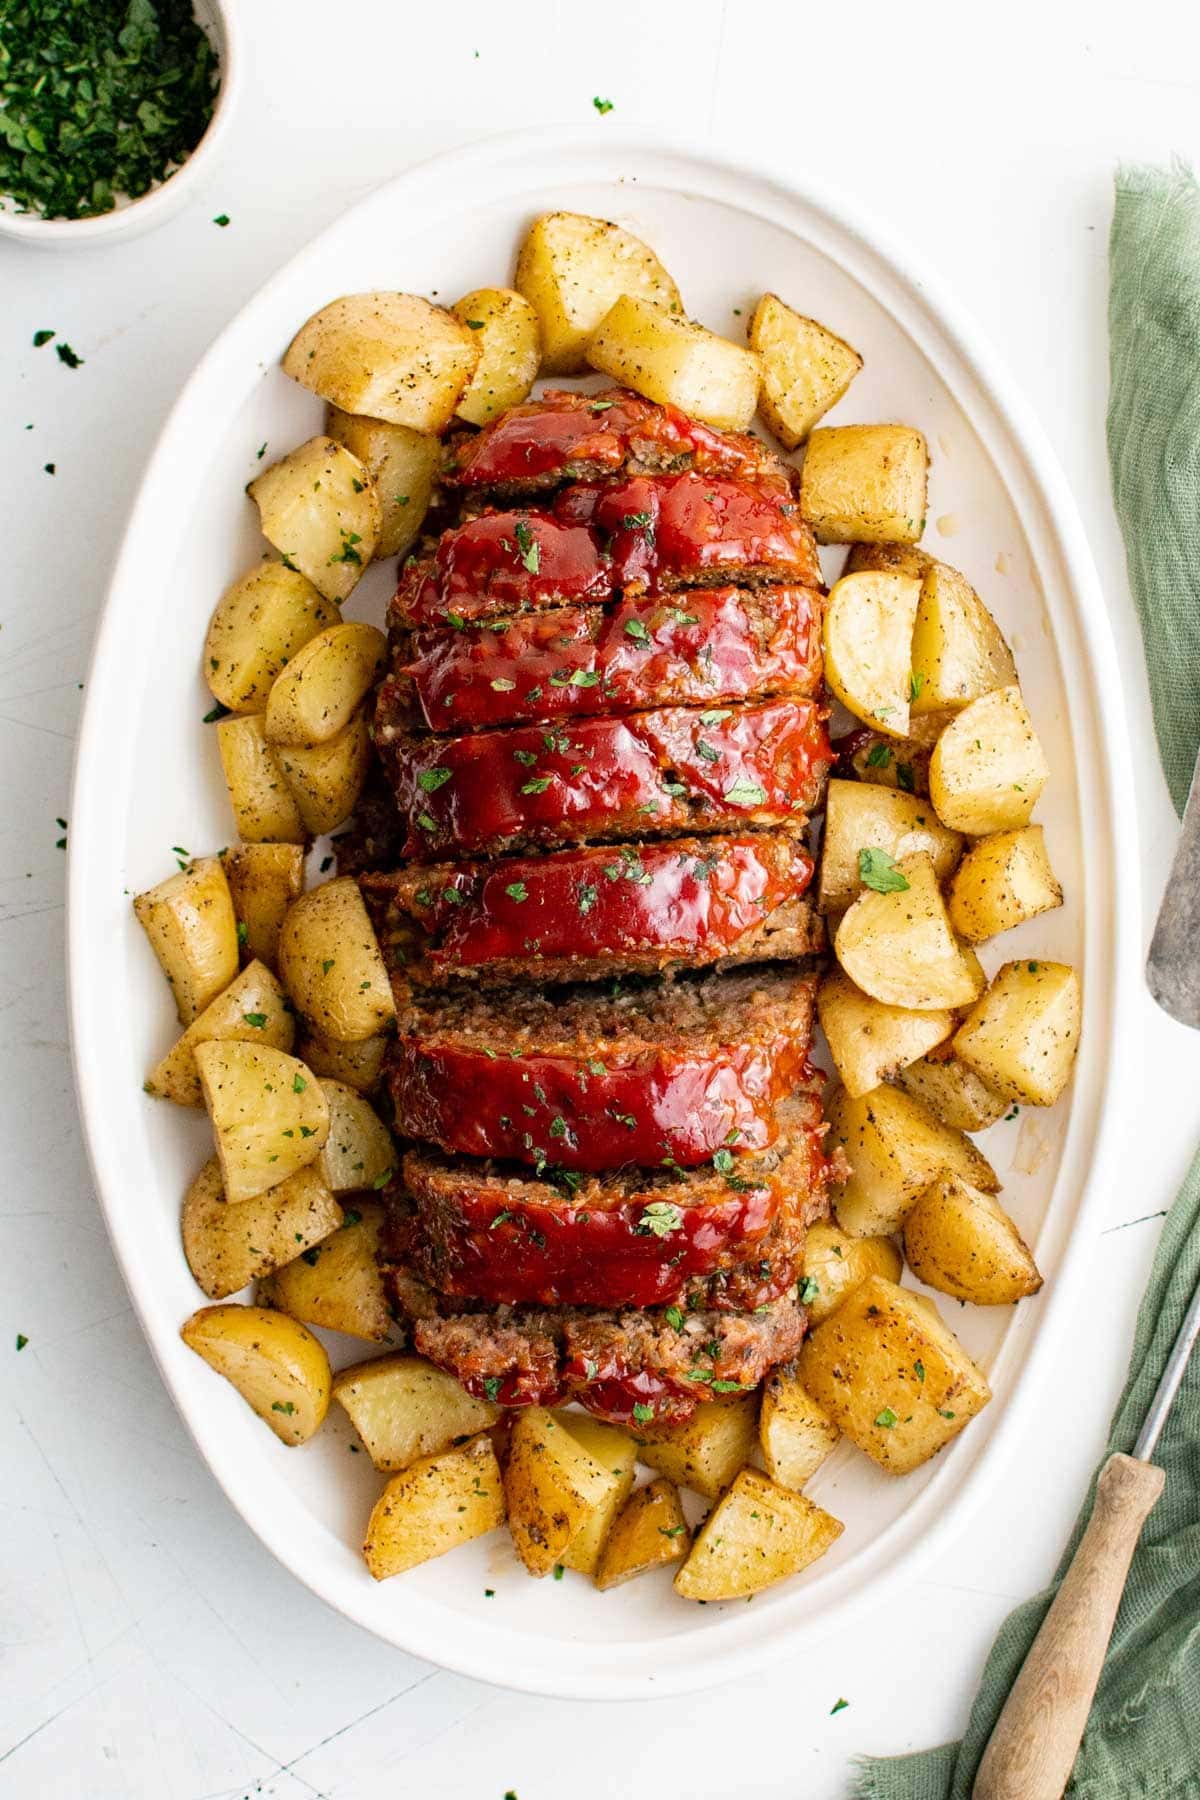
[(148, 1645)]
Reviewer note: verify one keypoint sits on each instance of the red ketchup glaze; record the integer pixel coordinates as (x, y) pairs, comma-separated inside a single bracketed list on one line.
[(665, 901), (520, 1387), (562, 432), (708, 646), (674, 769), (501, 563), (615, 1397), (533, 1109)]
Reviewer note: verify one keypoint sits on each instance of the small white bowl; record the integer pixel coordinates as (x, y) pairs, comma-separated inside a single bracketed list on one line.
[(159, 203)]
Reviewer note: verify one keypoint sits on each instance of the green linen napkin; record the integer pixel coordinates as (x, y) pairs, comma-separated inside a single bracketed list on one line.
[(1143, 1738)]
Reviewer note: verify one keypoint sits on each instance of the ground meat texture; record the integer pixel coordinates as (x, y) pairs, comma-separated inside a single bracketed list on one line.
[(374, 838), (582, 915), (570, 437), (703, 647), (591, 1080), (678, 769)]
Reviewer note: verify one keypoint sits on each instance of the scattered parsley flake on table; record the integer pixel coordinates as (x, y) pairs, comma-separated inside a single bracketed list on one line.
[(221, 219), (602, 106), (22, 1340), (838, 1706), (40, 338), (64, 352)]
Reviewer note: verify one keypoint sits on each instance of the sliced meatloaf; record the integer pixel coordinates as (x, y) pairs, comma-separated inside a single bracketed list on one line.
[(702, 647), (650, 774), (589, 1079), (502, 562), (577, 437), (582, 915)]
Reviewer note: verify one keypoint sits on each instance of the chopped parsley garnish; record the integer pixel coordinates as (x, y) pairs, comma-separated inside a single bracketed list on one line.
[(40, 338), (660, 1218), (298, 1084), (527, 547), (22, 1340), (672, 1531), (886, 1419), (642, 1414), (538, 785), (526, 757), (879, 756), (214, 713), (221, 219), (585, 899), (258, 1020), (283, 1406), (640, 521), (906, 777), (746, 793), (491, 1387), (474, 324), (808, 1290), (64, 352), (602, 107), (503, 685), (715, 714), (516, 890), (584, 678), (674, 1318), (637, 631), (706, 751), (348, 553), (380, 1181), (877, 870), (838, 1706), (430, 780), (426, 822), (916, 682)]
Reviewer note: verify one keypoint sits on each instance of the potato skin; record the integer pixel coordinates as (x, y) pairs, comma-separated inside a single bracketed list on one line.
[(319, 508), (953, 1092), (958, 652), (189, 920), (268, 1115), (337, 1285), (402, 463), (650, 1532), (264, 809), (835, 1262), (258, 625), (898, 947), (263, 879), (315, 697), (615, 1451), (675, 363), (896, 1147), (707, 1450), (868, 636), (510, 343), (404, 1409), (1022, 1036), (806, 368), (861, 816), (253, 1008), (389, 356), (865, 484), (988, 767), (433, 1506), (325, 780), (230, 1243), (795, 1434), (870, 1042), (963, 1243), (757, 1534), (279, 1368), (331, 965), (551, 1486), (1002, 880), (571, 269)]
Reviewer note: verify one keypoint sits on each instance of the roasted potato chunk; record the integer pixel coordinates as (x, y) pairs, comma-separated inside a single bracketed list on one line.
[(860, 817), (868, 637), (892, 762), (229, 1243), (759, 1533), (552, 1484), (870, 1042), (359, 1152), (510, 346), (358, 1065), (389, 356), (796, 1436), (572, 269), (1000, 882), (325, 780), (988, 767), (437, 1504), (668, 359), (805, 369), (963, 1243), (259, 624), (613, 1450), (190, 922), (319, 508), (403, 1408), (324, 683), (402, 463), (835, 1262), (331, 966), (707, 1450), (952, 1092), (269, 1116), (896, 1148), (895, 941), (892, 1375), (278, 1367), (337, 1284), (263, 808), (253, 1008), (649, 1532), (865, 483), (264, 879), (958, 652), (1022, 1036)]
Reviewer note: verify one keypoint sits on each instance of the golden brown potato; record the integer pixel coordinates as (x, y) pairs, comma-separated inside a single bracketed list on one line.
[(902, 763), (263, 879), (892, 1375), (190, 922), (1002, 881), (327, 679), (614, 1450), (1022, 1036), (868, 635), (796, 1436), (259, 624), (707, 1450), (759, 1533), (952, 1092), (649, 1532), (668, 359), (358, 1065), (958, 652), (326, 780), (359, 1152), (510, 345), (403, 1408), (278, 1367), (860, 816), (865, 483), (331, 966), (403, 464), (269, 1116), (263, 808), (870, 1042), (896, 1148), (319, 508), (552, 1484), (254, 1008), (963, 1243), (388, 356), (229, 1243), (835, 1262), (571, 269), (337, 1284), (805, 369), (988, 767), (437, 1504), (895, 941)]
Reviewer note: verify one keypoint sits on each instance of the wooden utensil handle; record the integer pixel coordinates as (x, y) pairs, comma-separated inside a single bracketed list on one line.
[(1033, 1748)]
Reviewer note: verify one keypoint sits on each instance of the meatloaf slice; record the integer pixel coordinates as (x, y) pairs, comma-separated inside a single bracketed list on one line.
[(678, 769), (583, 915), (704, 647), (590, 1079), (571, 437)]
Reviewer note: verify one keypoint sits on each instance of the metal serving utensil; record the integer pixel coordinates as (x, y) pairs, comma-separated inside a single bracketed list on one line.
[(1173, 965)]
